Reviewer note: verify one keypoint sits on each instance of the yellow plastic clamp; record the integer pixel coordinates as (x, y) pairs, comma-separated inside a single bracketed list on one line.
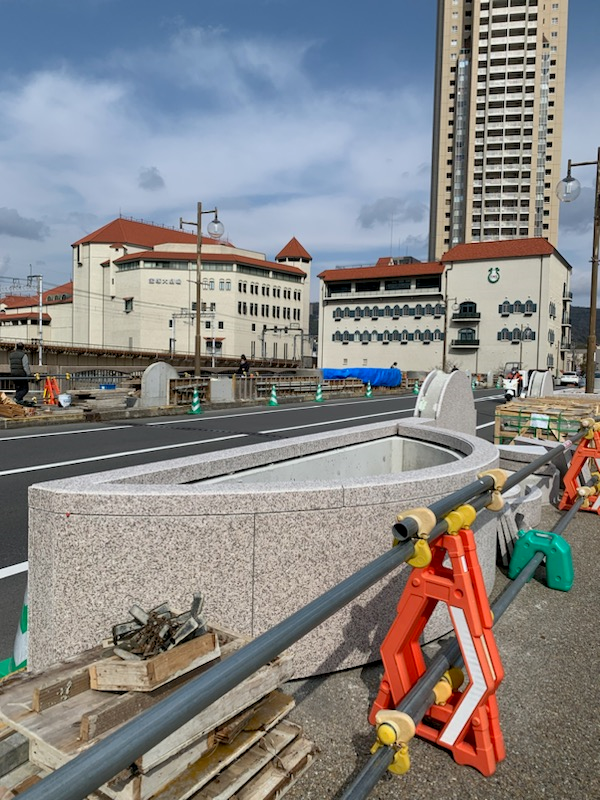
[(499, 476), (68, 376), (459, 518), (401, 763), (449, 683), (424, 517), (401, 760), (422, 554), (394, 727), (588, 423), (585, 491)]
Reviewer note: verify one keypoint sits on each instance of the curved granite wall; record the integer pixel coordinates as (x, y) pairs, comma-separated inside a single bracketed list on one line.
[(258, 550)]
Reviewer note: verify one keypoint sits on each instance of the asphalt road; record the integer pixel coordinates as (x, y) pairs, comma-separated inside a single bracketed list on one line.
[(33, 455)]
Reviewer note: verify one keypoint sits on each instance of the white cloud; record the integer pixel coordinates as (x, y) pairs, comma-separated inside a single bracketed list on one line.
[(239, 123), (279, 156)]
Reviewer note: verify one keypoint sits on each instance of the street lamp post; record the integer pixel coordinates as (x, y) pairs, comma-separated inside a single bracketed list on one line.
[(567, 190), (215, 230)]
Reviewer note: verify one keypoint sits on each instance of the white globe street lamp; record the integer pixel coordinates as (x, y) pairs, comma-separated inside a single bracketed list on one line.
[(215, 230), (568, 189)]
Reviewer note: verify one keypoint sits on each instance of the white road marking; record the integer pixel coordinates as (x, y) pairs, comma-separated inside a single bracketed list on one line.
[(61, 433), (127, 453), (333, 421), (14, 569), (123, 454)]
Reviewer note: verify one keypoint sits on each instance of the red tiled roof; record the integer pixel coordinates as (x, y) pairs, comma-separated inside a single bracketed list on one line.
[(226, 258), (28, 300), (294, 250), (32, 315), (17, 300), (381, 270), (129, 232), (505, 248), (65, 288)]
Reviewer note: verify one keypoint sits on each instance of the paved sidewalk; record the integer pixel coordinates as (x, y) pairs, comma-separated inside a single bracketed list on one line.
[(549, 642)]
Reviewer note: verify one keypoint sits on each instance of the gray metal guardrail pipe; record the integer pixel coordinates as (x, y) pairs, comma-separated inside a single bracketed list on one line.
[(419, 699), (101, 762)]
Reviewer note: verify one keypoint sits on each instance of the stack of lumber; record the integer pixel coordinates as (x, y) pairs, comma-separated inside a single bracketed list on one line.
[(555, 418), (10, 409), (239, 747)]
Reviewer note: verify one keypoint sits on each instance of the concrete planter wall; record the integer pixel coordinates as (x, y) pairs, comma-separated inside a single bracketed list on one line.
[(258, 550)]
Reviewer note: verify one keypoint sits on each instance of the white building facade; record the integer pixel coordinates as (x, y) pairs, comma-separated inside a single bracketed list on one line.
[(134, 287), (21, 320), (484, 305)]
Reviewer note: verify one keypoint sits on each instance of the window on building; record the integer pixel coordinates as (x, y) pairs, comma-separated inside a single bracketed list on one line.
[(128, 304)]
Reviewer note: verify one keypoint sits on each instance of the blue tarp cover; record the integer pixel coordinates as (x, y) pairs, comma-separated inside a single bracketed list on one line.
[(376, 377)]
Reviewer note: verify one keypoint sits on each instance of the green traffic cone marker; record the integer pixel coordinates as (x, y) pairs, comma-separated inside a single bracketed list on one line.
[(273, 399), (18, 660), (416, 388), (319, 395), (369, 392), (196, 408)]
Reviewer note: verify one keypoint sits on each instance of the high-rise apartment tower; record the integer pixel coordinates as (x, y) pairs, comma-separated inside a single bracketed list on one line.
[(498, 113)]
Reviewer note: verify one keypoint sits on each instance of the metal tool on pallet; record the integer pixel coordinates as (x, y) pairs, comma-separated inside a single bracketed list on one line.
[(158, 630)]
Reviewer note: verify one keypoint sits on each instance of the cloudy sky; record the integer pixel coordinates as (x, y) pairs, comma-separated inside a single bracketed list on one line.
[(309, 119)]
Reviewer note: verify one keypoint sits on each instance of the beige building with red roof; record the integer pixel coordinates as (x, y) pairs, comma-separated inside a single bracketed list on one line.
[(134, 286), (20, 316), (483, 305)]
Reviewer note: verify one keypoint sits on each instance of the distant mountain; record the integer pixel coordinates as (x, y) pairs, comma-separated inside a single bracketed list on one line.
[(580, 325)]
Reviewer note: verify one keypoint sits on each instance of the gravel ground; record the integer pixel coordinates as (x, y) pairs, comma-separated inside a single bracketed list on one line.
[(549, 711)]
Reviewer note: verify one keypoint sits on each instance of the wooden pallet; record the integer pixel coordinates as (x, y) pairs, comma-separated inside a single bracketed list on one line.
[(10, 409), (61, 715), (549, 418), (115, 674)]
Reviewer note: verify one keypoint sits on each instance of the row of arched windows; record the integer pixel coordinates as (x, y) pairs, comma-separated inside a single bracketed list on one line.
[(528, 307), (395, 312), (516, 335), (404, 336)]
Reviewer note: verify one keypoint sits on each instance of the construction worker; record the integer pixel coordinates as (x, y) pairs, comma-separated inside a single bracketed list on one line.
[(515, 375), (20, 371)]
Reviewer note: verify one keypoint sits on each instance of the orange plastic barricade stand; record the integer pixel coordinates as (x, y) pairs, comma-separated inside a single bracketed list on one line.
[(586, 459), (467, 724), (51, 391)]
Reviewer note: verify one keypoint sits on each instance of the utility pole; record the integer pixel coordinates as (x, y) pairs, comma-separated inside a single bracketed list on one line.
[(40, 321), (215, 231)]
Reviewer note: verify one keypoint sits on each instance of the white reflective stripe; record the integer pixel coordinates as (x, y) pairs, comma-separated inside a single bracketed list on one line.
[(463, 561), (14, 569), (477, 687), (596, 505), (488, 657)]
